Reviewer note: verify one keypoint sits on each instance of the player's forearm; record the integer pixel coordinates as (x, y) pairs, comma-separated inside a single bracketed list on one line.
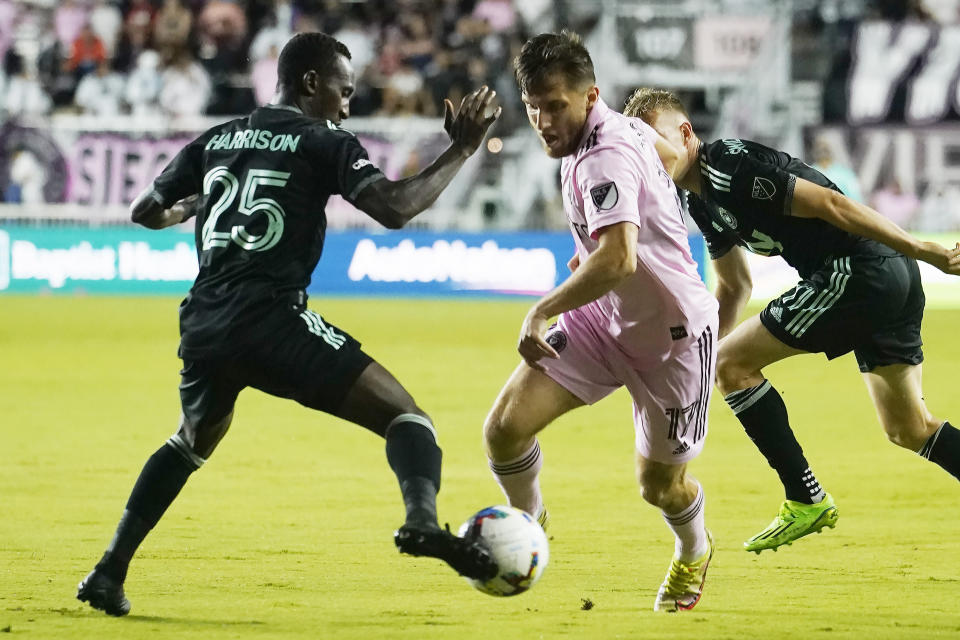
[(411, 196), (597, 275), (731, 303), (861, 220)]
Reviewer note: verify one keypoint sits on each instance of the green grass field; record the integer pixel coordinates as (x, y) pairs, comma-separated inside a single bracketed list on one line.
[(286, 532)]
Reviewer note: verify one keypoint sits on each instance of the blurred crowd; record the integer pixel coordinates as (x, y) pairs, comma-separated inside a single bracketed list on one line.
[(186, 57)]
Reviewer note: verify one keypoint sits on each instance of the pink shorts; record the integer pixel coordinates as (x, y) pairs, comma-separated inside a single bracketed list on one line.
[(670, 400)]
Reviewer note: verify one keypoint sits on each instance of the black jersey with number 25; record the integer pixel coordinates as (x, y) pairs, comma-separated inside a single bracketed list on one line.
[(264, 180), (746, 191)]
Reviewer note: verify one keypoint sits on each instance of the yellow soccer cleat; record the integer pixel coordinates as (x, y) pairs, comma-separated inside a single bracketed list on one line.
[(794, 521), (683, 586)]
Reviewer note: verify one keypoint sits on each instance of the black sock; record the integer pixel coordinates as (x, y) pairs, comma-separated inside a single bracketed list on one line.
[(943, 447), (414, 456), (161, 479), (764, 417)]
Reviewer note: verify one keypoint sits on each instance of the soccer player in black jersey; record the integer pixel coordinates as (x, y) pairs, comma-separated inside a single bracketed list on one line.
[(258, 186), (859, 291)]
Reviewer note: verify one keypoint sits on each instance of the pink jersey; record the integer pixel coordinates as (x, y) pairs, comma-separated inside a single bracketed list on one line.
[(616, 176)]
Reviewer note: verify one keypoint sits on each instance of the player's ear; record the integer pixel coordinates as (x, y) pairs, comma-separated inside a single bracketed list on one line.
[(686, 131), (310, 83), (592, 95)]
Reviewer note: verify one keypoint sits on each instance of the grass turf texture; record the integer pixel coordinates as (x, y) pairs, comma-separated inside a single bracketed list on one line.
[(286, 532)]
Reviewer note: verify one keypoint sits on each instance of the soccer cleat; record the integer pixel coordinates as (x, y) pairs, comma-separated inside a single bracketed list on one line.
[(467, 557), (543, 518), (103, 593), (683, 586), (794, 521)]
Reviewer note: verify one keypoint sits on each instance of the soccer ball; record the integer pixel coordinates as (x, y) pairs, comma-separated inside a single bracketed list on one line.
[(517, 544)]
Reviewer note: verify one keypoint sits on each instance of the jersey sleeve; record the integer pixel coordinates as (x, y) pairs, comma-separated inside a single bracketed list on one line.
[(718, 244), (740, 180), (610, 182), (346, 160), (183, 176)]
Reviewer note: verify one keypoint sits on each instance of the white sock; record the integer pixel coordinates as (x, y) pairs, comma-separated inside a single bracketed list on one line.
[(519, 479), (689, 529)]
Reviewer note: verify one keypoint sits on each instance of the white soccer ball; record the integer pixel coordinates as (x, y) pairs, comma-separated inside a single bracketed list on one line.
[(517, 544)]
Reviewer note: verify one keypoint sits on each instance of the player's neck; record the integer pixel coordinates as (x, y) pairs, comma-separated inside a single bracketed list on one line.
[(690, 180)]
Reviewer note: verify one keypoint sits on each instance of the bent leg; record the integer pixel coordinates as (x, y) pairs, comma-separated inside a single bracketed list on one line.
[(378, 402), (528, 402), (760, 408), (897, 394)]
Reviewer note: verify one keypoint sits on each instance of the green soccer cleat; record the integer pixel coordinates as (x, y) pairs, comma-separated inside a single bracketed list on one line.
[(683, 586), (794, 521)]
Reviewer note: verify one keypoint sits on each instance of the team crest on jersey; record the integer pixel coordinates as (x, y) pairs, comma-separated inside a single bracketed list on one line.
[(605, 196), (763, 189), (727, 217), (557, 339)]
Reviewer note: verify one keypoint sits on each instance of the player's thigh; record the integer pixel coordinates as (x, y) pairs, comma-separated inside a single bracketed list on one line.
[(897, 394), (671, 403), (208, 393), (305, 358), (745, 351), (528, 402)]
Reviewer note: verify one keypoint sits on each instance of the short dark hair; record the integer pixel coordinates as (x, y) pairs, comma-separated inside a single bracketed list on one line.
[(313, 51), (646, 101), (550, 53)]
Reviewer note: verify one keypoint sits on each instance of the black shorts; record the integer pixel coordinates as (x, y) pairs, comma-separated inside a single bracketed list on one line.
[(295, 354), (871, 305)]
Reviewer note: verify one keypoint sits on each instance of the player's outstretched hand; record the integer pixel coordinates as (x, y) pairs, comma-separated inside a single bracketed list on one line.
[(532, 346), (468, 125), (947, 260)]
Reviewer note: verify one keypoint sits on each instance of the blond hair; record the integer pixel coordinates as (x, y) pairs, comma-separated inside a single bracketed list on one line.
[(645, 102)]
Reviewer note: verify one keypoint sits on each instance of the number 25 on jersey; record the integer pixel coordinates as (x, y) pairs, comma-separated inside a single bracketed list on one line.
[(249, 206)]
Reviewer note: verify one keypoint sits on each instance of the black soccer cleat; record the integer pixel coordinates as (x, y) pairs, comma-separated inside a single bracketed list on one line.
[(467, 557), (103, 593)]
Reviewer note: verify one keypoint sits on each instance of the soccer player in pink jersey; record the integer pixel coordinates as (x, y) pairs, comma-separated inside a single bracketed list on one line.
[(634, 312)]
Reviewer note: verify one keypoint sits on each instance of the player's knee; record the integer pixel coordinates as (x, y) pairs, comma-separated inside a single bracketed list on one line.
[(203, 437), (655, 487), (910, 431), (499, 434), (731, 371)]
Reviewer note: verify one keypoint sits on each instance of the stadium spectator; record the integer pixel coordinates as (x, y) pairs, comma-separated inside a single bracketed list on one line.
[(171, 27), (101, 92), (22, 93), (143, 85), (499, 14), (132, 43), (825, 161), (106, 20), (894, 203), (69, 19), (86, 53), (8, 20), (138, 24), (185, 88), (263, 76)]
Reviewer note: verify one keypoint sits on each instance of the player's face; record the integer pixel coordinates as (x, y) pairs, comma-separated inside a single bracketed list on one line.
[(676, 129), (557, 112), (331, 99)]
